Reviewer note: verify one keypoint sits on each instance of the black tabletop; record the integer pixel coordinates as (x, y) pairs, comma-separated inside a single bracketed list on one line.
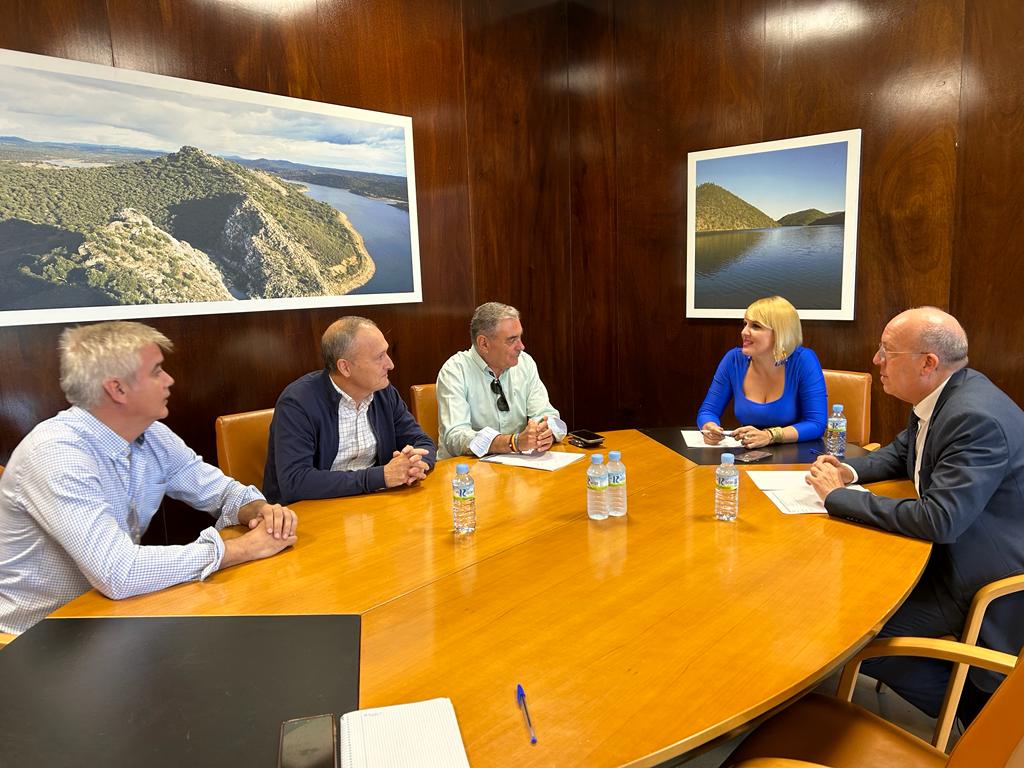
[(787, 453), (190, 691)]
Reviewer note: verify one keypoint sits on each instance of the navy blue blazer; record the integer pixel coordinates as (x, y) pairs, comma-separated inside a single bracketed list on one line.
[(304, 442), (971, 501)]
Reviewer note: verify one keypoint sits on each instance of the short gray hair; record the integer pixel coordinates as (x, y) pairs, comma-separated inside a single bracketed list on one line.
[(91, 354), (337, 339), (487, 316), (947, 340)]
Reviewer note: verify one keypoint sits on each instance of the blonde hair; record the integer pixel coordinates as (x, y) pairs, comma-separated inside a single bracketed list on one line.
[(777, 314), (91, 354)]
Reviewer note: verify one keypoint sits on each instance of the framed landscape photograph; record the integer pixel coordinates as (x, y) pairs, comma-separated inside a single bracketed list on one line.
[(125, 194), (775, 218)]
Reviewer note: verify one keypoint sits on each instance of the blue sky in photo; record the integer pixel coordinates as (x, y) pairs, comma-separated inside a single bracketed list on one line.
[(39, 105), (783, 181)]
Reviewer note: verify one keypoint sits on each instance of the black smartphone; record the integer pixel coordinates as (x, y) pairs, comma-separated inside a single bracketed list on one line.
[(584, 438), (309, 742), (752, 456)]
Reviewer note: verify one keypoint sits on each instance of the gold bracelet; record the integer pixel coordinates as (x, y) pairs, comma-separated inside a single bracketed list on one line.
[(776, 433), (511, 444)]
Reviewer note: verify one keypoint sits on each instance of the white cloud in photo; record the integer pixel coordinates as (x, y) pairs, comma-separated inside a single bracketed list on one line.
[(44, 106)]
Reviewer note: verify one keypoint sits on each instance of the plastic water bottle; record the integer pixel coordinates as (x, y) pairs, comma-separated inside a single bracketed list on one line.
[(597, 488), (463, 500), (616, 484), (727, 489), (835, 432)]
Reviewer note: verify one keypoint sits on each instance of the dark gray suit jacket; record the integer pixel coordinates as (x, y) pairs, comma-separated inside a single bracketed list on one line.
[(971, 504)]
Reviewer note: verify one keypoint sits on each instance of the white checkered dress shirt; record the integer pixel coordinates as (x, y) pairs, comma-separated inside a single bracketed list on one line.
[(76, 498), (357, 445)]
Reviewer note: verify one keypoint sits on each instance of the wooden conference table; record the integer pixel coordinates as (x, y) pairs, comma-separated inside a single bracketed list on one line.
[(636, 639)]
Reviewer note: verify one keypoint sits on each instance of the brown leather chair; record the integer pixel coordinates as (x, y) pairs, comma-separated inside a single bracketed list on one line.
[(423, 404), (242, 445), (826, 731), (853, 390)]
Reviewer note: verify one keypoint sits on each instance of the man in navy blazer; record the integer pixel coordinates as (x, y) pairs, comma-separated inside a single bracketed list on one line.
[(964, 449), (345, 430)]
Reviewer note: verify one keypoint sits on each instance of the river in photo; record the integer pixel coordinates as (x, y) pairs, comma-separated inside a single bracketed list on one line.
[(802, 264), (385, 231)]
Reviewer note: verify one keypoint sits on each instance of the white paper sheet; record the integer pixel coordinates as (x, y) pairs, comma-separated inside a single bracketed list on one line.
[(789, 491), (694, 439), (549, 461)]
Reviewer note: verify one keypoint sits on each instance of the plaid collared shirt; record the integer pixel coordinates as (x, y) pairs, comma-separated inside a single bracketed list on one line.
[(357, 445)]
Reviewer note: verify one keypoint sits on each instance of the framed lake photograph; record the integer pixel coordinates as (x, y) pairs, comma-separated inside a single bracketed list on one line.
[(775, 218), (125, 194)]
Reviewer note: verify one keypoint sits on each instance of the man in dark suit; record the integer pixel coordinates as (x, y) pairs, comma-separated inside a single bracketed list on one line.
[(964, 450)]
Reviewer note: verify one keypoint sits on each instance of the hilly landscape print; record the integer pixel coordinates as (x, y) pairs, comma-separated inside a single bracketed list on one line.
[(767, 222), (143, 190), (188, 226), (719, 210)]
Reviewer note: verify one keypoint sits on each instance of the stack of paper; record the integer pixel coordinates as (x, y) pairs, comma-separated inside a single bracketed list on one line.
[(424, 734), (549, 460), (789, 491)]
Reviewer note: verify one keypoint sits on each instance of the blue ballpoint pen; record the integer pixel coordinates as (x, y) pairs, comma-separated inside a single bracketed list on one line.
[(521, 701)]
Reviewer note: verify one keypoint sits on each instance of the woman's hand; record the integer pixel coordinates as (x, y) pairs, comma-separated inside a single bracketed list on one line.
[(712, 433), (752, 437)]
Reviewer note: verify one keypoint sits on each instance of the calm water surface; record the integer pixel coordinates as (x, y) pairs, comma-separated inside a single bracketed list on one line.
[(385, 230), (803, 264)]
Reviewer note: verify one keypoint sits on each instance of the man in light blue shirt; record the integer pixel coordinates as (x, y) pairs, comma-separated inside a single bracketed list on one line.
[(490, 398), (82, 487)]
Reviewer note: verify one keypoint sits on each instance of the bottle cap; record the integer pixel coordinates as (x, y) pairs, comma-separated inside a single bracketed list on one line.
[(837, 408), (596, 458), (728, 458), (614, 455), (462, 469)]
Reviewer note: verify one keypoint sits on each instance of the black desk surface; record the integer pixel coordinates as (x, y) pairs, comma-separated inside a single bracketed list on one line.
[(192, 691), (787, 453)]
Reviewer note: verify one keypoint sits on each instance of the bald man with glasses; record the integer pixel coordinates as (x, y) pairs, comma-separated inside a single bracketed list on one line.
[(490, 398), (964, 450)]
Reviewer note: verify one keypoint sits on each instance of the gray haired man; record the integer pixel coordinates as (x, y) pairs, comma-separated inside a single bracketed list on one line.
[(490, 398), (82, 487)]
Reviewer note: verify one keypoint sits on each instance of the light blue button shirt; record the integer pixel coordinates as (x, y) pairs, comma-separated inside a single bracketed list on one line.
[(74, 502), (466, 405)]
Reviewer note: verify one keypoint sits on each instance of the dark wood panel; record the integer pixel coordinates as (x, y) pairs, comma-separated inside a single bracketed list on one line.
[(596, 269), (988, 264), (68, 29), (518, 131), (689, 77), (893, 70)]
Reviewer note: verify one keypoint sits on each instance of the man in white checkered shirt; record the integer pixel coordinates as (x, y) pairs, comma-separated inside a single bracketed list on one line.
[(82, 487)]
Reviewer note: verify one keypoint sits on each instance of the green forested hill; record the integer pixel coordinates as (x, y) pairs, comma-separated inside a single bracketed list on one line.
[(801, 218), (718, 209), (266, 237)]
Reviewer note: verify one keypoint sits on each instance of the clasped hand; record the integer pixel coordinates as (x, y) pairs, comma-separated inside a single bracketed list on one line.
[(827, 474), (406, 467), (537, 436)]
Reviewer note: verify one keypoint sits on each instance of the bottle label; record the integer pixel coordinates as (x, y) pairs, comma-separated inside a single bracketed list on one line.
[(616, 479), (727, 483), (464, 493), (597, 485)]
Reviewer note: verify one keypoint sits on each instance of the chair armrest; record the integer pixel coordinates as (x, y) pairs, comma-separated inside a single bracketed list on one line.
[(928, 647)]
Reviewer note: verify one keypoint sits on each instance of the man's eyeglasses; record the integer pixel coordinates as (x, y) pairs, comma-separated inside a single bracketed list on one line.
[(496, 389), (883, 353)]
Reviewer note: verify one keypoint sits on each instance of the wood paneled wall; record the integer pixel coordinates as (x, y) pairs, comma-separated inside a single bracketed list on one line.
[(551, 142)]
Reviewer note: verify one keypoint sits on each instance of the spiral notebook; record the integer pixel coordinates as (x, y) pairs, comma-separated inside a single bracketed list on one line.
[(424, 734)]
